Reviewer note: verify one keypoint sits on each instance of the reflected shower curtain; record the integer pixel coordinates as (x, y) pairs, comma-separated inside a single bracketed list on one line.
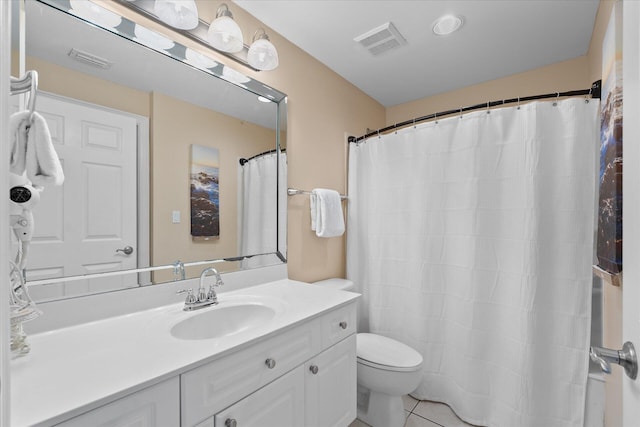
[(471, 240), (258, 209)]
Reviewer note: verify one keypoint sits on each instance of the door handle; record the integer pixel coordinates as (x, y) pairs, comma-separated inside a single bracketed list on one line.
[(128, 250), (625, 358)]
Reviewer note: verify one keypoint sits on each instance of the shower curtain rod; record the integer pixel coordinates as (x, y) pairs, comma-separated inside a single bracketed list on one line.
[(594, 92), (243, 160)]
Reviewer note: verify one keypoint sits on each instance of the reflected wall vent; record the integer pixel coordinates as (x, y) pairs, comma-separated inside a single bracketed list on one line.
[(90, 59), (381, 39)]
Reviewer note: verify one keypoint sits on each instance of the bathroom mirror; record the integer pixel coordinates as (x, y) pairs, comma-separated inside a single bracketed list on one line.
[(185, 111)]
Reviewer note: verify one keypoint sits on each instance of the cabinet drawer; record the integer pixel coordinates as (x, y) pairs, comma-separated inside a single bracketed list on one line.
[(338, 324), (278, 404), (213, 387), (153, 406)]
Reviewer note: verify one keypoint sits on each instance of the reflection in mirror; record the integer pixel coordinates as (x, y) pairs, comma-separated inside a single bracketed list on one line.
[(125, 107)]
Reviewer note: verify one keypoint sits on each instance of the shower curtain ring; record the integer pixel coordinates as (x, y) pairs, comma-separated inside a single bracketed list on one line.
[(414, 122), (555, 104), (488, 111), (461, 112), (378, 133), (588, 96), (518, 103), (435, 116)]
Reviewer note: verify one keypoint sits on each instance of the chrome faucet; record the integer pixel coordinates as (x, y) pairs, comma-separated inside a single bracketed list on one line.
[(203, 298)]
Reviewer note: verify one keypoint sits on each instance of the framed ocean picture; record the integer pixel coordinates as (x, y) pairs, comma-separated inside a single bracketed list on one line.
[(205, 195), (609, 238)]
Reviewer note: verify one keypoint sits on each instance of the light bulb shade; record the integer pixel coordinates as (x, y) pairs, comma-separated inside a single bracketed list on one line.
[(94, 13), (224, 33), (180, 14), (263, 55)]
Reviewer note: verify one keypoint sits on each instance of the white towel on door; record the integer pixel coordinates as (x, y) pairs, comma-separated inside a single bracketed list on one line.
[(327, 219), (32, 149)]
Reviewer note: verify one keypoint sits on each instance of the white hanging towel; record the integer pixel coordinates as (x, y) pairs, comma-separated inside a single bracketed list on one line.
[(327, 219), (32, 149)]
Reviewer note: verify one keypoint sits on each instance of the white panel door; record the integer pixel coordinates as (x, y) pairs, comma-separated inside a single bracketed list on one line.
[(631, 206), (80, 226)]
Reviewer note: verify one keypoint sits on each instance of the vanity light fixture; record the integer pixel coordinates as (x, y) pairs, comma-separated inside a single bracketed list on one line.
[(447, 24), (224, 33), (180, 14), (262, 53)]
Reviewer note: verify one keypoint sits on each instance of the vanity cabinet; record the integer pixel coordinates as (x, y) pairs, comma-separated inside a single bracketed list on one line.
[(154, 406), (305, 376)]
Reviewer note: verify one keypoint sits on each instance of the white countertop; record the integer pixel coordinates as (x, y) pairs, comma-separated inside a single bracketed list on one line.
[(72, 370)]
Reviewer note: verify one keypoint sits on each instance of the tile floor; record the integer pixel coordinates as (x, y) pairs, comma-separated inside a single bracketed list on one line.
[(425, 414)]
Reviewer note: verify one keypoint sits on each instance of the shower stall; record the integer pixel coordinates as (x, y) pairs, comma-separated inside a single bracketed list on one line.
[(471, 239)]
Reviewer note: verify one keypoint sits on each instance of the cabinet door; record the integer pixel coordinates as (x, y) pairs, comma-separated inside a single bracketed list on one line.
[(278, 404), (158, 405), (330, 386)]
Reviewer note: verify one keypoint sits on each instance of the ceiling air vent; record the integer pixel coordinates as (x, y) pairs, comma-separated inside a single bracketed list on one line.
[(90, 59), (381, 39)]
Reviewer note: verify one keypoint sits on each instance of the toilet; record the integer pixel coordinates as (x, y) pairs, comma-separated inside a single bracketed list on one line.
[(387, 370)]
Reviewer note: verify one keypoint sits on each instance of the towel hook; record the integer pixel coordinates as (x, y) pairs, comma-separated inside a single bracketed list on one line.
[(32, 93)]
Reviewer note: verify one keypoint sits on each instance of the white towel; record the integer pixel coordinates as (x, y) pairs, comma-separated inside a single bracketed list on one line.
[(32, 149), (327, 219)]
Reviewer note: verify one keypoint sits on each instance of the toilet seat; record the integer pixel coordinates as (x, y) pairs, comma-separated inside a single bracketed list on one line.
[(380, 352)]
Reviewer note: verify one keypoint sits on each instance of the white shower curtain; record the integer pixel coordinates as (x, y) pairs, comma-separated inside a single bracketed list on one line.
[(471, 240), (258, 209)]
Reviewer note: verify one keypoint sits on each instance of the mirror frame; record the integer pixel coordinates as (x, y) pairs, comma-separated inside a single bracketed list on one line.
[(246, 83)]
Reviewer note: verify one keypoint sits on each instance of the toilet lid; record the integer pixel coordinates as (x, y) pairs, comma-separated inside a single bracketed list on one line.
[(385, 351)]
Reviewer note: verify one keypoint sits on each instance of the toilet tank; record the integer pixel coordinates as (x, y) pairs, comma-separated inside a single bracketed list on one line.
[(342, 284)]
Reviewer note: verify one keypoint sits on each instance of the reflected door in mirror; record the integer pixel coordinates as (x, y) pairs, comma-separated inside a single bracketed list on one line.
[(80, 226)]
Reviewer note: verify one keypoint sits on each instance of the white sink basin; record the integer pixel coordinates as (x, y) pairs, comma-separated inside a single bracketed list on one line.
[(220, 321)]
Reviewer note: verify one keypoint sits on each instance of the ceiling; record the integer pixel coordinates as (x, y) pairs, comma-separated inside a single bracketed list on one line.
[(498, 38)]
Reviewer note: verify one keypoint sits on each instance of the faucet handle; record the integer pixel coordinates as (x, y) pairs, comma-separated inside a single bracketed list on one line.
[(191, 298), (211, 295)]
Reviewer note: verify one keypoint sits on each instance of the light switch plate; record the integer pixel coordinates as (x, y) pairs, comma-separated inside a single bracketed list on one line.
[(175, 217)]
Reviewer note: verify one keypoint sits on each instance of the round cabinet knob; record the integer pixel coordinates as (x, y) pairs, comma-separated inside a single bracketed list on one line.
[(230, 422), (343, 325), (314, 369), (271, 363)]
